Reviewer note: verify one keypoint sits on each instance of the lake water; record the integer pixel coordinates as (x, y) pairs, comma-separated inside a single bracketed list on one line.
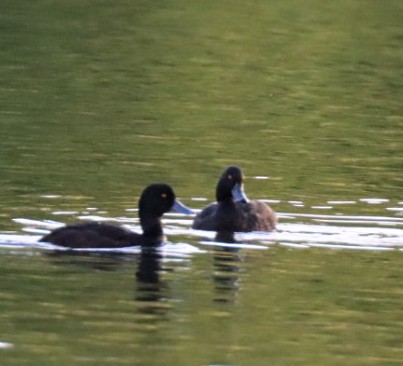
[(99, 99)]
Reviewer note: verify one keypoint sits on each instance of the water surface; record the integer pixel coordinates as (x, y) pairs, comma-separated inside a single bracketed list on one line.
[(99, 99)]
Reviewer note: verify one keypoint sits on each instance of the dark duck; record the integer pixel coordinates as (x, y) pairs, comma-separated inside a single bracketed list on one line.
[(233, 211), (155, 200)]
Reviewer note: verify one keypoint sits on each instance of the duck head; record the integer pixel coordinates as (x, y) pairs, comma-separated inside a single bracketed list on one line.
[(158, 199), (230, 186)]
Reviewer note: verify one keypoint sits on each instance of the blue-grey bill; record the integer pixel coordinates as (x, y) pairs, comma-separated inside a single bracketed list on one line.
[(181, 208), (238, 194)]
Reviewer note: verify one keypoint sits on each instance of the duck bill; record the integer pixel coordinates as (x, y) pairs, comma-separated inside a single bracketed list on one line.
[(181, 208), (238, 194)]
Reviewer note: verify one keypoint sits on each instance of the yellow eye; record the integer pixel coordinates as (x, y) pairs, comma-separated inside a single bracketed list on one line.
[(164, 195)]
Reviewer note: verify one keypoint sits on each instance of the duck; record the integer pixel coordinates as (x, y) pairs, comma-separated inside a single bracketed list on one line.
[(233, 211), (155, 200)]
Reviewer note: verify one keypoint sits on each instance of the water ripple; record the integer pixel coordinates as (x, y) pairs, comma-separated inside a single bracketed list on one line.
[(382, 231)]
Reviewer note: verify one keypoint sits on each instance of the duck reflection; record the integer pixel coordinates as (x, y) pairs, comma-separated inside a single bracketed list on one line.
[(226, 269), (90, 260), (149, 285), (151, 291)]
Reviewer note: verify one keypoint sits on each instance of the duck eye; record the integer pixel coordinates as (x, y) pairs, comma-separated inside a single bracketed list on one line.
[(164, 195), (229, 177)]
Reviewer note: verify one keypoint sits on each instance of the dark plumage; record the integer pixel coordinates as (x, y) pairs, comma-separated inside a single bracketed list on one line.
[(155, 200), (233, 212)]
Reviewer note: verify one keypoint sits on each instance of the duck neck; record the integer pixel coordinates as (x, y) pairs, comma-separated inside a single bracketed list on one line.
[(223, 192), (152, 227)]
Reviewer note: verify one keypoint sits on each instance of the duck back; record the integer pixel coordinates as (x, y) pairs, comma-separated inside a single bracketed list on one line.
[(236, 216), (92, 235), (255, 216)]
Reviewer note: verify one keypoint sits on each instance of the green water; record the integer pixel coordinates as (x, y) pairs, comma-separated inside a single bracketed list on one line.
[(100, 98), (322, 308)]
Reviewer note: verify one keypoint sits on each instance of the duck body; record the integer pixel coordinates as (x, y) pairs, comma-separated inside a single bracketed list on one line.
[(236, 217), (155, 200), (96, 235), (233, 212)]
